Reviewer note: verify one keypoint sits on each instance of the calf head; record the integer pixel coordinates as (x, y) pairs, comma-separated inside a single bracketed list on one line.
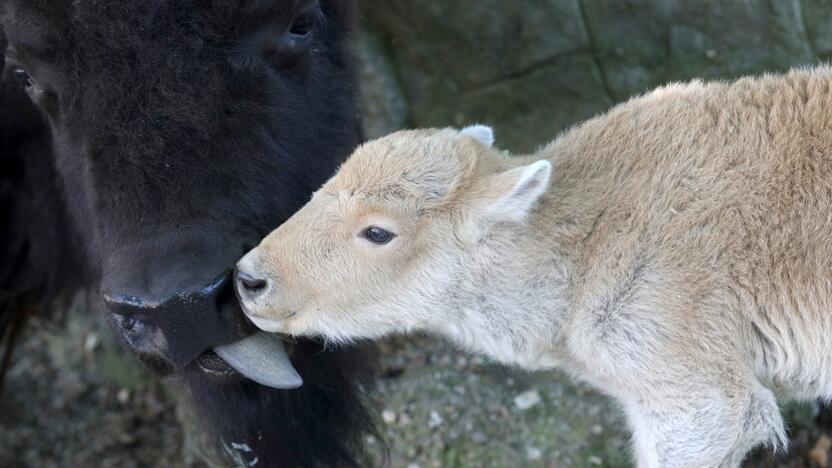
[(381, 245)]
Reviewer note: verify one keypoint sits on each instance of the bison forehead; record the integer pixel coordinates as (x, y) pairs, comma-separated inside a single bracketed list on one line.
[(64, 25)]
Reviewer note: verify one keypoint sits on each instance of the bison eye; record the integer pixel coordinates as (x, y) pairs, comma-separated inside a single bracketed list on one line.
[(377, 235), (21, 76), (305, 23)]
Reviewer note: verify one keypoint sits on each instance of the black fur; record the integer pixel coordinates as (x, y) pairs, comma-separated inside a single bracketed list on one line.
[(322, 425), (160, 114), (38, 250)]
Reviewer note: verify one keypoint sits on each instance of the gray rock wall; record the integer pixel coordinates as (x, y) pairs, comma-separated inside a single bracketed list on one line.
[(533, 67)]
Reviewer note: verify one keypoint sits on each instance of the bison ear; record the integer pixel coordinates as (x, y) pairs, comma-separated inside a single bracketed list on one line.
[(482, 133), (505, 197)]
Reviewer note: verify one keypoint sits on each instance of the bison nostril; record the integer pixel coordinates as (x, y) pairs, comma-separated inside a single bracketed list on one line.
[(129, 324), (132, 325), (248, 285)]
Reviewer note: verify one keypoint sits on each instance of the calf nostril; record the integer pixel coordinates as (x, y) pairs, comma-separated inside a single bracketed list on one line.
[(248, 283)]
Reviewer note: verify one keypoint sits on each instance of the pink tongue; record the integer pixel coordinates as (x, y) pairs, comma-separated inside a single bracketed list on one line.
[(262, 358)]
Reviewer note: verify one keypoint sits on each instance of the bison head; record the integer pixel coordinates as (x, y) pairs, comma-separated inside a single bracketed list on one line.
[(183, 131)]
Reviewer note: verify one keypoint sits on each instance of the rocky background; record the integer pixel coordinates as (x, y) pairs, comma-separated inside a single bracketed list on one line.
[(530, 68)]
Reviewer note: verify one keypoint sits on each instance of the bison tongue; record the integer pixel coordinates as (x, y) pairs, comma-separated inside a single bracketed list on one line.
[(262, 358)]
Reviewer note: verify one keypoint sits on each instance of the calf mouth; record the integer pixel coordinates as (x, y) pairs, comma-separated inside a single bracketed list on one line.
[(258, 356), (267, 325)]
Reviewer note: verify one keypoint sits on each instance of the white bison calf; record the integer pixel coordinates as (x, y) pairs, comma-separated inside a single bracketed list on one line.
[(676, 253)]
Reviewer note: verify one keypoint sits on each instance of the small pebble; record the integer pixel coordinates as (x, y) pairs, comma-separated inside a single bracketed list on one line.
[(594, 460), (91, 342), (533, 453), (527, 399), (388, 416), (435, 420), (123, 396)]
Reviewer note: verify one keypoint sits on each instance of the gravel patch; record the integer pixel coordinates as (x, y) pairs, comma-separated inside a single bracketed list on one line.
[(74, 398)]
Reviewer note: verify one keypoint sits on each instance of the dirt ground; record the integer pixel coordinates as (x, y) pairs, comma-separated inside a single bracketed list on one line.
[(74, 399)]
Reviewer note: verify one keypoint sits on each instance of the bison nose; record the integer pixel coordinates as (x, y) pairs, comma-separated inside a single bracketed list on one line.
[(141, 334), (167, 330), (248, 286)]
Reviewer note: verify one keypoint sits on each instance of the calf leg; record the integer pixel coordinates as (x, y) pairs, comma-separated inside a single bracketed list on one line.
[(703, 425)]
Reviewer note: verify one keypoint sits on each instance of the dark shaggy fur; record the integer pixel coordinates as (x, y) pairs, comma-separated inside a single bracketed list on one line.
[(38, 249), (187, 120)]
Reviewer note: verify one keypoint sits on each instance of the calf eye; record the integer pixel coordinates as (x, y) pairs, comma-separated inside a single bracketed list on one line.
[(377, 235), (21, 76)]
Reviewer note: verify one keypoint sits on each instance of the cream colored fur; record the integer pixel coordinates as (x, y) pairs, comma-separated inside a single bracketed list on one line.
[(679, 259)]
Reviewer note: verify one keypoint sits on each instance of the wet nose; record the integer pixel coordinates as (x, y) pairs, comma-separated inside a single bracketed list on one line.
[(248, 286), (172, 330), (143, 336), (170, 291)]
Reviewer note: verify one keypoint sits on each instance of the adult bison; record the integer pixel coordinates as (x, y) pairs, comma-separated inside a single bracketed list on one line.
[(144, 146)]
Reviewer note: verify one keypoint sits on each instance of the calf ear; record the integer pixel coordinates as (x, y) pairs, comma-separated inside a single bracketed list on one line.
[(517, 191), (511, 195), (482, 133)]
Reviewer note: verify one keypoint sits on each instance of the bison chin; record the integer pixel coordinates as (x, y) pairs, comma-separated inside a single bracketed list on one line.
[(322, 424)]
